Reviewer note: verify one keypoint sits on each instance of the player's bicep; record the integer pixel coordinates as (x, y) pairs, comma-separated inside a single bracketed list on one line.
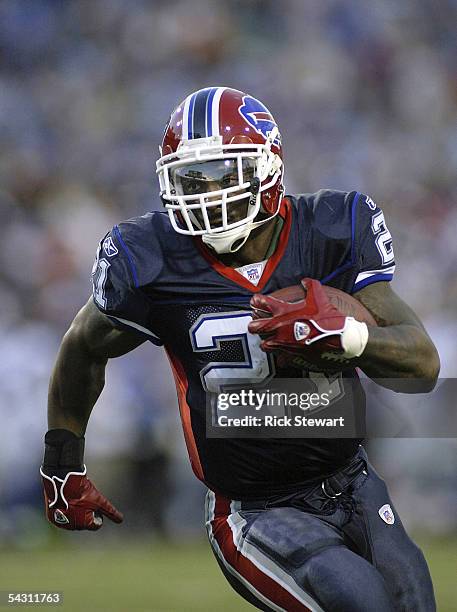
[(386, 306), (99, 336)]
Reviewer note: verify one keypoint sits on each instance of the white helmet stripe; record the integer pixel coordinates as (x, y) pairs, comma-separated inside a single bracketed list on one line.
[(187, 116), (209, 111), (215, 111)]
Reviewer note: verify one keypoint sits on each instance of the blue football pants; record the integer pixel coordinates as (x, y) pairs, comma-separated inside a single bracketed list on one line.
[(349, 553)]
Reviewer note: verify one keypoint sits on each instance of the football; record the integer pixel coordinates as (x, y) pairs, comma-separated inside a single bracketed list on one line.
[(345, 303)]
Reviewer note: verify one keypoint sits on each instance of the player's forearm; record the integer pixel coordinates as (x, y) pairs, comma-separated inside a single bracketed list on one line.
[(76, 383), (399, 355)]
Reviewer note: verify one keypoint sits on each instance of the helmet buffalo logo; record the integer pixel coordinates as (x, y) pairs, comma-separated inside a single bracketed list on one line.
[(258, 116)]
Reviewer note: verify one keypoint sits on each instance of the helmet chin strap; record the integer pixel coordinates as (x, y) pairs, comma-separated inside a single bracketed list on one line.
[(232, 240), (229, 241)]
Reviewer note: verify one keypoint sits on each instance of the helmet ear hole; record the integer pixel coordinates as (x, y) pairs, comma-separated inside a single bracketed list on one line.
[(166, 149)]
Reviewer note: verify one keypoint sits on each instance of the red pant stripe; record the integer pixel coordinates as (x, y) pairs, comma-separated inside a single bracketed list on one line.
[(264, 584)]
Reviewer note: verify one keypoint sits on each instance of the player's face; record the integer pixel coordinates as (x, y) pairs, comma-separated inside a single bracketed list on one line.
[(214, 176)]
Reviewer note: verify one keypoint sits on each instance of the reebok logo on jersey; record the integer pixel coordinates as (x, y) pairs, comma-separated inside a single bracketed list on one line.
[(60, 518), (109, 247), (387, 515), (301, 330)]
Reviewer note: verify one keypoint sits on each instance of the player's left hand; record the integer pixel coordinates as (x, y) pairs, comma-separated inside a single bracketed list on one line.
[(72, 500), (75, 503), (311, 326)]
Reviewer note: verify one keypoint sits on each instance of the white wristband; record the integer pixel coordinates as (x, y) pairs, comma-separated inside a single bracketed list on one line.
[(354, 338)]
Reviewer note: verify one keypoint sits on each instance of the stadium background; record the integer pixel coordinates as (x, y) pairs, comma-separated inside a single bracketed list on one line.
[(365, 95)]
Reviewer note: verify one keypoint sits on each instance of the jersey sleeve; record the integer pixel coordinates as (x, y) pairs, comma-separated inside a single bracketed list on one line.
[(115, 288), (374, 247)]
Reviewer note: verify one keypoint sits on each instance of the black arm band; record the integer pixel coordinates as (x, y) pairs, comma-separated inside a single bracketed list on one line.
[(64, 452)]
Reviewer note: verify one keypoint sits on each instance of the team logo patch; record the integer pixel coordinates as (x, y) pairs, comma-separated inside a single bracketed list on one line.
[(109, 247), (387, 515), (301, 330), (60, 518), (258, 116)]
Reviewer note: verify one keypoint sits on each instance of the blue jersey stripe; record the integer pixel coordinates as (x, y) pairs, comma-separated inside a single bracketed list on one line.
[(117, 233), (375, 278)]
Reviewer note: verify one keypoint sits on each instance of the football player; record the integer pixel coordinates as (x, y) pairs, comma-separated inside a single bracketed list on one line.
[(295, 524)]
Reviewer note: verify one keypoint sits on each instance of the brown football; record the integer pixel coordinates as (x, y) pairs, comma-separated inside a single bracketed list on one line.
[(345, 303)]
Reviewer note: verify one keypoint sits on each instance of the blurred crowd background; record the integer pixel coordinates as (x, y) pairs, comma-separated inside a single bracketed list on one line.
[(365, 95)]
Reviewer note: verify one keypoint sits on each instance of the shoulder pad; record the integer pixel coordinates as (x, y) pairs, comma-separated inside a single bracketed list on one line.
[(329, 211)]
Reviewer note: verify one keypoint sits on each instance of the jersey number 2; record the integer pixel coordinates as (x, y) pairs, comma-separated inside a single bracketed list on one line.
[(210, 331), (383, 238)]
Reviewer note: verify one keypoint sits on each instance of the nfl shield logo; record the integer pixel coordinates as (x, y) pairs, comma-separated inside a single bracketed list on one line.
[(385, 512), (253, 274)]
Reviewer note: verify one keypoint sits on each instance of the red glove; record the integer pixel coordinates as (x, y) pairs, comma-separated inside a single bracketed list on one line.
[(74, 502), (312, 327)]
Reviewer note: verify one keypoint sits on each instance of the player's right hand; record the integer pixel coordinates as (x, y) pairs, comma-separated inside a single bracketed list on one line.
[(74, 502)]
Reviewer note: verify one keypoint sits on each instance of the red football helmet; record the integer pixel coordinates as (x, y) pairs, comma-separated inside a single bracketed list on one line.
[(221, 169)]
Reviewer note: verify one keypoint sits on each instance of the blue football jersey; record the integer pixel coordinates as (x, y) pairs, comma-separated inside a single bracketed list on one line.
[(173, 290)]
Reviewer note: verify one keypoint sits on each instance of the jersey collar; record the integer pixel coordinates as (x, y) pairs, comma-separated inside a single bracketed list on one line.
[(285, 212)]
